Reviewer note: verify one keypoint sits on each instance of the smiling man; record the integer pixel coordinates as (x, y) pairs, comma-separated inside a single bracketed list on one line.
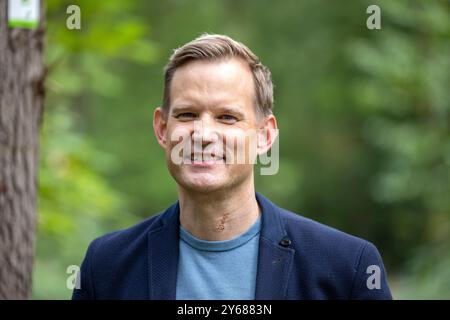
[(221, 239)]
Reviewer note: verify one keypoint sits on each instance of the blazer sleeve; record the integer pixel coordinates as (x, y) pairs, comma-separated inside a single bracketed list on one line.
[(370, 280), (85, 281)]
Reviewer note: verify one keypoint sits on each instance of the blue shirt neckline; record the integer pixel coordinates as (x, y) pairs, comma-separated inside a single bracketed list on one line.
[(225, 245)]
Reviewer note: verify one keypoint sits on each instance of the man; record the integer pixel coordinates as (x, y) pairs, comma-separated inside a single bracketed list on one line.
[(222, 240)]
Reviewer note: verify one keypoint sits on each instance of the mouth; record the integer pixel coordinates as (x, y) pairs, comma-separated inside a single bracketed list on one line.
[(204, 160)]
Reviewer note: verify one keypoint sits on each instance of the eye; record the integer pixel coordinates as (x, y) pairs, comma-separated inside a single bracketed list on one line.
[(186, 116), (228, 118)]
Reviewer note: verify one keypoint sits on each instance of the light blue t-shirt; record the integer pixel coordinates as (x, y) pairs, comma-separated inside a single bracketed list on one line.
[(218, 270)]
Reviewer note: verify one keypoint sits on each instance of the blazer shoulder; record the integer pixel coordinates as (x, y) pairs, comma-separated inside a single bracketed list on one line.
[(111, 257), (342, 263), (115, 242)]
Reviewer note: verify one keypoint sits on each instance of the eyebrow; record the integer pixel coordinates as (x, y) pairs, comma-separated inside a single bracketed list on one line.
[(181, 107), (227, 108)]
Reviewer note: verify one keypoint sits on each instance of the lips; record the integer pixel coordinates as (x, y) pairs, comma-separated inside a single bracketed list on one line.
[(199, 157), (204, 159)]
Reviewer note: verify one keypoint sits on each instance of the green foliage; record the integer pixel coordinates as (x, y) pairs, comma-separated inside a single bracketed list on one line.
[(402, 88), (426, 276), (76, 202)]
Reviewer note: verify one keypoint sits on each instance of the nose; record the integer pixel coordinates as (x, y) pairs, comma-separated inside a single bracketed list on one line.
[(205, 130)]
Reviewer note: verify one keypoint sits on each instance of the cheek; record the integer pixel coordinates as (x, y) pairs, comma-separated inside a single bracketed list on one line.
[(176, 138), (177, 131), (242, 144)]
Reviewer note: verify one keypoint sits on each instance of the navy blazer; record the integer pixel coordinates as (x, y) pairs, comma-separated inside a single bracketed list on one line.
[(298, 259)]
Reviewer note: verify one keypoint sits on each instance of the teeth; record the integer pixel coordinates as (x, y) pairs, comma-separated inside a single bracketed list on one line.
[(205, 158)]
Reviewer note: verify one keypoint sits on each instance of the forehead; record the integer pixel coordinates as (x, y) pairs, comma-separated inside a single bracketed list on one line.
[(213, 82)]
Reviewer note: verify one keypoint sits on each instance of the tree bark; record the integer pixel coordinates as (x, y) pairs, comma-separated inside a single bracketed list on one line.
[(22, 75)]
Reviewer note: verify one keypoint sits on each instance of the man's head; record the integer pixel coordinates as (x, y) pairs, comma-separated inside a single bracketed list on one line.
[(216, 93)]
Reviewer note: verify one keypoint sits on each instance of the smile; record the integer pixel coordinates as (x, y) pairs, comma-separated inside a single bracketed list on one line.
[(201, 160)]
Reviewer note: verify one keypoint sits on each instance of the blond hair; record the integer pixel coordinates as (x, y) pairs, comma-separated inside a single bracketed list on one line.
[(215, 47)]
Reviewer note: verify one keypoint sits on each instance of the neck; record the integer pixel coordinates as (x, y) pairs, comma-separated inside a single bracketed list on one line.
[(218, 216)]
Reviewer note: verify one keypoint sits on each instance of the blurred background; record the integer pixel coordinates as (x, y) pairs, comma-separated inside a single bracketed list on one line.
[(363, 116)]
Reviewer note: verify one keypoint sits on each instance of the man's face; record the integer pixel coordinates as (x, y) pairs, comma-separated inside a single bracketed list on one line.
[(212, 108)]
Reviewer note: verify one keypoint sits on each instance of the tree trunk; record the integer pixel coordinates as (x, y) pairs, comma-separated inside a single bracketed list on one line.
[(21, 104)]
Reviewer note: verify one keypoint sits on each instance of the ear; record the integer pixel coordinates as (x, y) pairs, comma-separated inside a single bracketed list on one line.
[(267, 133), (160, 127)]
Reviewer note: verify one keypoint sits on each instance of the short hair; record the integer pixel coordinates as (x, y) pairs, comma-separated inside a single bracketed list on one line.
[(215, 47)]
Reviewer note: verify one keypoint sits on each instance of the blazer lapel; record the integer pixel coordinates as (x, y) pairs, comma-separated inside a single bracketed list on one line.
[(275, 258), (163, 251)]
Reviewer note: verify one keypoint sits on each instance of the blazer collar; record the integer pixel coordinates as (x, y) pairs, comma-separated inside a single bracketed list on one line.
[(274, 257)]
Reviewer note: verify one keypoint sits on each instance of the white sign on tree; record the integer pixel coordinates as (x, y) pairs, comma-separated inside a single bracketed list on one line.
[(23, 13)]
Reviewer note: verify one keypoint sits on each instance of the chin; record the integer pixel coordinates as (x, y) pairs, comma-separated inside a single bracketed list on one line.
[(206, 182), (200, 184)]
